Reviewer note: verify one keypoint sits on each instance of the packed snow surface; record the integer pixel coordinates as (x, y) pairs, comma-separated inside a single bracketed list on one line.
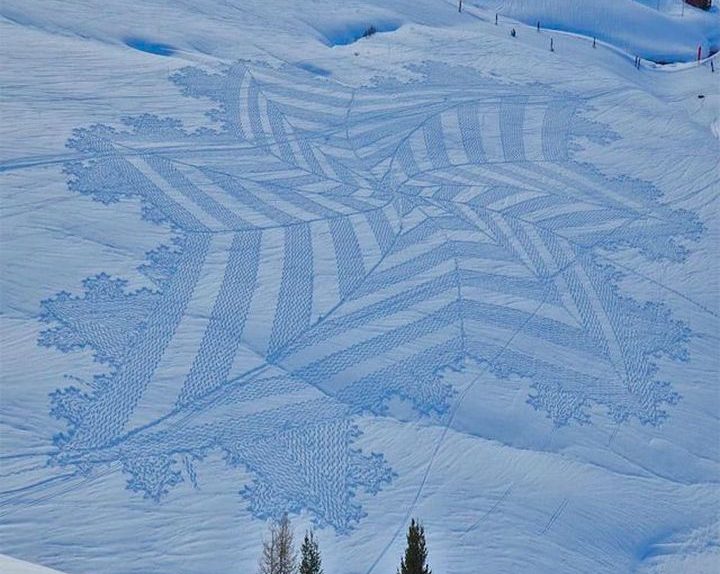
[(9, 565), (257, 261)]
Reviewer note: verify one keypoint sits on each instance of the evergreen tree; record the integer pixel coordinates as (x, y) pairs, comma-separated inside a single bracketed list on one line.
[(311, 562), (416, 551), (279, 555)]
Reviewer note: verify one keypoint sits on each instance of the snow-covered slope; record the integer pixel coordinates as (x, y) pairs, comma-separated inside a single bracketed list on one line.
[(661, 32), (9, 565), (253, 263)]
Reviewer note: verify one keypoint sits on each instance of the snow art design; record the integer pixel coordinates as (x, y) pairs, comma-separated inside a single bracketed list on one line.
[(337, 249)]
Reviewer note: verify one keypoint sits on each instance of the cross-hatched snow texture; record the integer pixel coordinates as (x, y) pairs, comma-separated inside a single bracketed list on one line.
[(336, 249)]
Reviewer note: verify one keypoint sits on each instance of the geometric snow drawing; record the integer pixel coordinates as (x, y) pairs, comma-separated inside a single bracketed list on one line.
[(337, 248)]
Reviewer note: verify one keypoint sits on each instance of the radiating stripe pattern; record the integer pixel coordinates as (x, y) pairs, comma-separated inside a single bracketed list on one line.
[(337, 248)]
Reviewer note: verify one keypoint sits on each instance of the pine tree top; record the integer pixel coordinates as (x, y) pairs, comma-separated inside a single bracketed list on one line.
[(415, 560), (311, 562)]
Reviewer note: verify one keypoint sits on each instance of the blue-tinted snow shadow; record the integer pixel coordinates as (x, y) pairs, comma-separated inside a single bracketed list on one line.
[(157, 48), (354, 31)]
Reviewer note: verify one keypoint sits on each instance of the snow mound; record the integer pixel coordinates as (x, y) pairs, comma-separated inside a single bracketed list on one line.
[(351, 32)]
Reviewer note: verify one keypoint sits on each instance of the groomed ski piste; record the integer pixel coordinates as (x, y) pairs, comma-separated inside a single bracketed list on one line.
[(256, 263)]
